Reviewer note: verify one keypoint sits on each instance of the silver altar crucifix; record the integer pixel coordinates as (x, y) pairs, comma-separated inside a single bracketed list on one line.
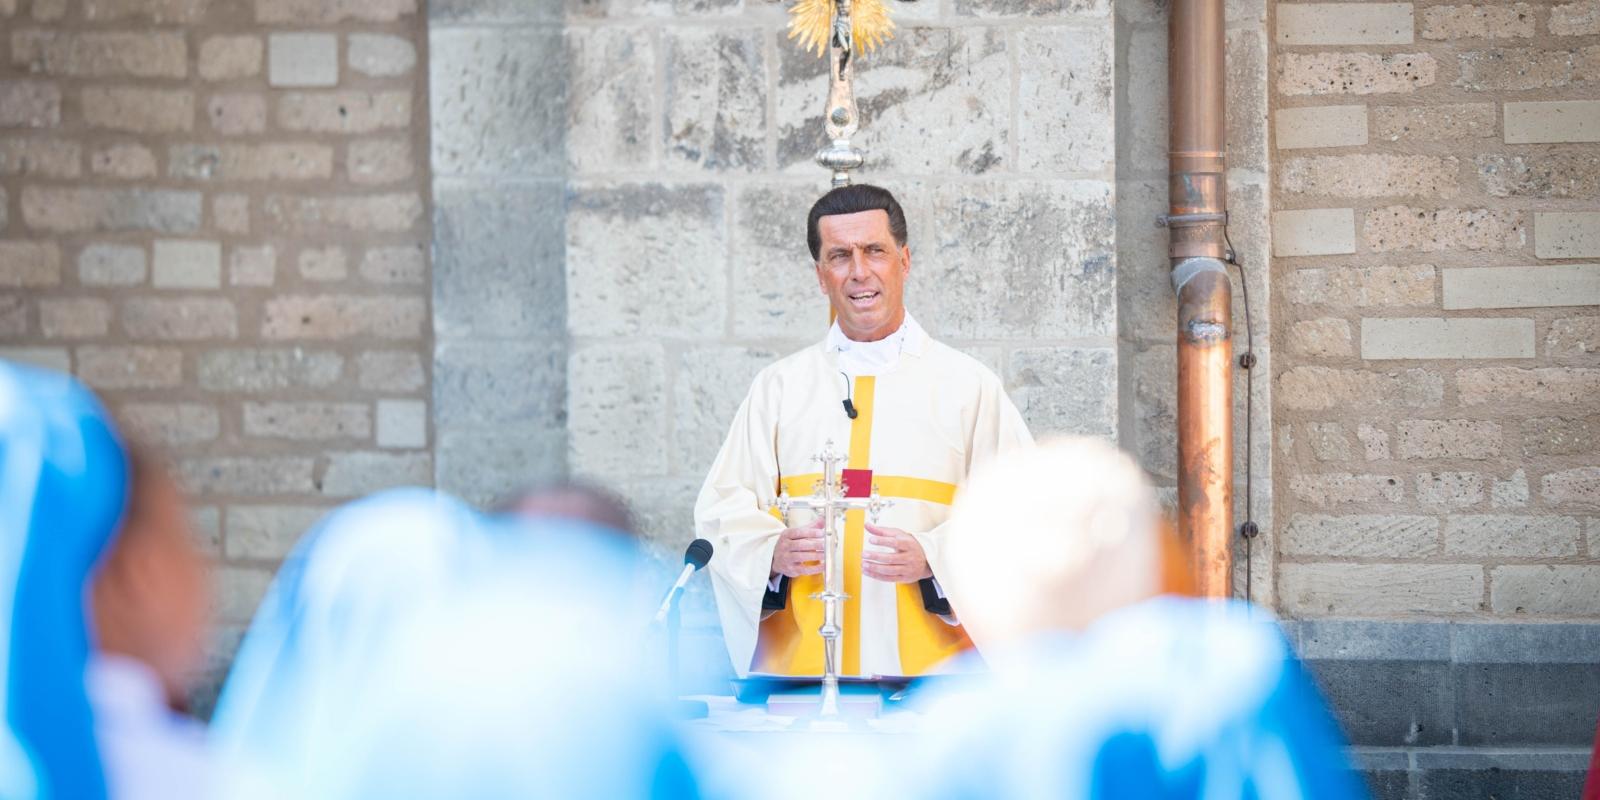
[(828, 499)]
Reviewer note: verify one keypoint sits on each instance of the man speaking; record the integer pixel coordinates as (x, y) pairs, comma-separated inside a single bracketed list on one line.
[(913, 416)]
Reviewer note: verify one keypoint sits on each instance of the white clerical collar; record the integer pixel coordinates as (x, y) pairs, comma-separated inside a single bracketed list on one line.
[(879, 357)]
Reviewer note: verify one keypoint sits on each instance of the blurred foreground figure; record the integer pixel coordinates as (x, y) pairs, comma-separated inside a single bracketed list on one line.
[(1099, 689), (63, 482), (413, 648), (576, 501), (150, 597)]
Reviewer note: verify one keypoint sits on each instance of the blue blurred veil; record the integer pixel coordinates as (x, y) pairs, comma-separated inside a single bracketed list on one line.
[(63, 488)]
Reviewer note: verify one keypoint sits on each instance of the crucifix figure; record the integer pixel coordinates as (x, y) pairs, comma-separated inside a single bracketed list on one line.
[(831, 497)]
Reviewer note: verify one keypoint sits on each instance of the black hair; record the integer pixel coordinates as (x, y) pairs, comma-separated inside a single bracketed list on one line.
[(852, 200)]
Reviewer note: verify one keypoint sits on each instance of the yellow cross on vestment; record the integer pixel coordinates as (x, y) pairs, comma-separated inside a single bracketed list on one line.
[(788, 642)]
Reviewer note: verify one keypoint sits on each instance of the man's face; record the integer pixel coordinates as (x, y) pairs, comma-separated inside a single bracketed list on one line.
[(863, 273)]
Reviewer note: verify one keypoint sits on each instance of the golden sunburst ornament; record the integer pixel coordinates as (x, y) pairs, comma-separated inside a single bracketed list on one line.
[(811, 21)]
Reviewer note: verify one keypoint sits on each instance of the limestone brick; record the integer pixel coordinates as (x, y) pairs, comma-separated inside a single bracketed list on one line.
[(1327, 440), (381, 55), (1408, 123), (1361, 535), (1432, 230), (402, 424), (1574, 234), (390, 371), (1512, 536), (500, 263), (1448, 438), (1375, 441), (74, 317), (1321, 338), (224, 58), (1513, 69), (302, 60), (56, 358), (1362, 287), (1577, 488), (1581, 18), (29, 104), (179, 319), (81, 209), (1432, 337), (138, 110), (1546, 589), (1314, 232), (343, 317), (100, 54), (1522, 287), (111, 265), (246, 476), (105, 368), (123, 161), (1339, 488), (171, 424), (230, 213), (1511, 492), (335, 214), (1308, 388), (268, 369), (1355, 590), (1573, 336), (1449, 489), (1552, 121), (157, 11), (1354, 73), (253, 266), (394, 265), (244, 162), (328, 12), (1535, 385), (186, 264), (711, 383), (237, 113), (36, 156), (238, 591), (1561, 174), (29, 264), (1345, 23), (266, 532), (1320, 126), (379, 161), (1515, 21), (308, 421), (323, 264), (1370, 175), (344, 111)]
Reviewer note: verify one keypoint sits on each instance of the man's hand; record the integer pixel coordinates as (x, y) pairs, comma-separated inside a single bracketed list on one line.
[(907, 563), (799, 551)]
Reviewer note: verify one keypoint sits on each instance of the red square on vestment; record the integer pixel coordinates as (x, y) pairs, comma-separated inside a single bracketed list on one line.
[(858, 483)]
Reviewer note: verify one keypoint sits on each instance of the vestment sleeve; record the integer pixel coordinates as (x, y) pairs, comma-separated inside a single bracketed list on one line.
[(730, 513)]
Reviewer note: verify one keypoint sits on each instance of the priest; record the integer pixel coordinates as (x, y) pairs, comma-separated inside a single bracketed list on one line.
[(913, 417)]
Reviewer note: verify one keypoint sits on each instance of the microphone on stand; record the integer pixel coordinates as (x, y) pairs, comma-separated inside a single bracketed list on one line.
[(697, 556)]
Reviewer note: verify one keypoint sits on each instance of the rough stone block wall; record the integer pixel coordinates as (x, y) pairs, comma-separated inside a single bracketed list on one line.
[(662, 156), (1435, 229), (212, 211)]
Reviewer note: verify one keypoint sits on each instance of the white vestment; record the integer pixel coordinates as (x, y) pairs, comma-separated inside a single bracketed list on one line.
[(931, 414)]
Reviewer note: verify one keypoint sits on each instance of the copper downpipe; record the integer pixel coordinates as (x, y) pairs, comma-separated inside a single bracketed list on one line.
[(1196, 218)]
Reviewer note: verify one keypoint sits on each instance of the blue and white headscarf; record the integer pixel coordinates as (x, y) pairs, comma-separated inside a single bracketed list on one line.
[(411, 647), (63, 489)]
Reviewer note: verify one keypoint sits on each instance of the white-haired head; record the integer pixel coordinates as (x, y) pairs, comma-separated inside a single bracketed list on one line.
[(1050, 538)]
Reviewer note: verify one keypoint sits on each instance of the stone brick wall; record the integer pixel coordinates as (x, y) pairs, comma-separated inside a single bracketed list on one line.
[(658, 156), (1435, 197), (212, 212)]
